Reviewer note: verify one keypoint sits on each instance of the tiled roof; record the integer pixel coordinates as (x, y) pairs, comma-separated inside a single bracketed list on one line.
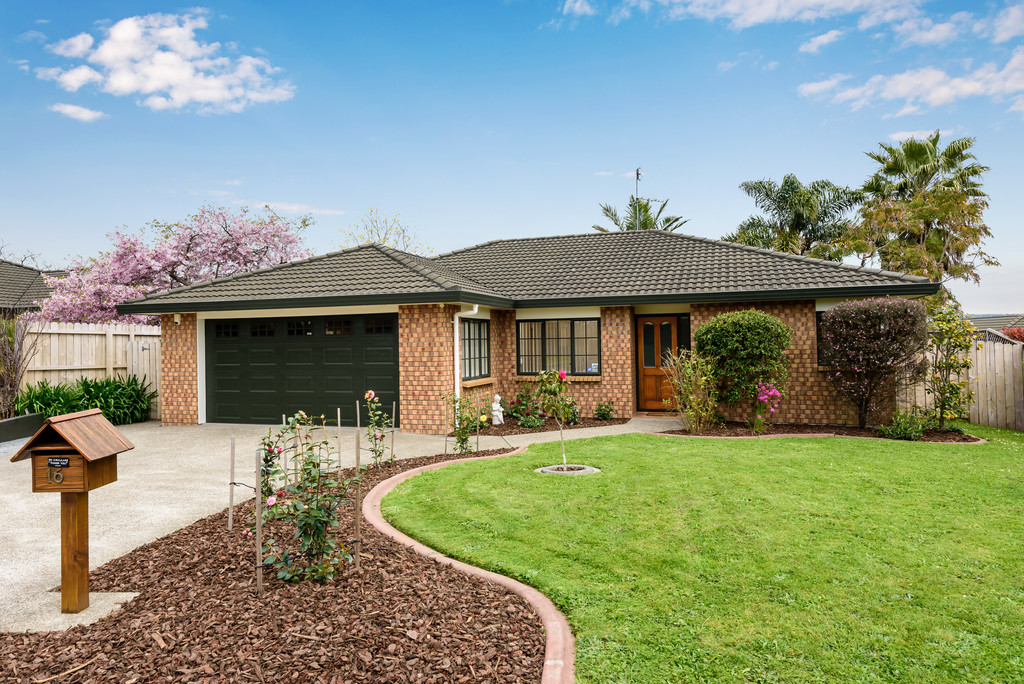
[(366, 270), (22, 287), (997, 321), (647, 263), (547, 270)]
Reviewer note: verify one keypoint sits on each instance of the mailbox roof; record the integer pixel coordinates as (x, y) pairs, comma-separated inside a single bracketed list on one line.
[(87, 432)]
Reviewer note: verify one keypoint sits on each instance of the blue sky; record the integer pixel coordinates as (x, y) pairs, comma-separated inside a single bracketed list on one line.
[(482, 120)]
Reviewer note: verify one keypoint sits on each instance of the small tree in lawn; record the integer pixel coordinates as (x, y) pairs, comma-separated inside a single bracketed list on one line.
[(748, 354), (953, 337), (873, 347), (551, 387), (213, 243)]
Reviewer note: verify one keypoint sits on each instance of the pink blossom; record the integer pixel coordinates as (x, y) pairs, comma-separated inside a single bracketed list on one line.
[(271, 500), (561, 375), (369, 395), (380, 435)]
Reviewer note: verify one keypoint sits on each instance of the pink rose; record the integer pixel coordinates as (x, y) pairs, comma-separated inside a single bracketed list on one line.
[(370, 395), (271, 500), (561, 375)]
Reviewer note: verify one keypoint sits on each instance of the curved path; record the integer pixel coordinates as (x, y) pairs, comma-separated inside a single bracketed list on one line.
[(560, 651)]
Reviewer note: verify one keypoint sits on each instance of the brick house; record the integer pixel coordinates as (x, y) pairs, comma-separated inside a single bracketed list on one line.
[(316, 334)]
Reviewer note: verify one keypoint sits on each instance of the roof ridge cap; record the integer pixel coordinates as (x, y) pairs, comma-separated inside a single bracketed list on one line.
[(408, 260)]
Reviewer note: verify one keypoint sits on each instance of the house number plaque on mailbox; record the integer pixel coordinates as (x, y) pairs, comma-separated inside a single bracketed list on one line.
[(73, 455)]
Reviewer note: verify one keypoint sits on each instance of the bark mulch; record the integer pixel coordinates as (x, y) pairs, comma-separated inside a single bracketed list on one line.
[(401, 618), (737, 429), (511, 427)]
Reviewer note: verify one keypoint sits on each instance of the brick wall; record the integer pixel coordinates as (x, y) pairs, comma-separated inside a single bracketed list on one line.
[(426, 357), (179, 379), (617, 381), (811, 398)]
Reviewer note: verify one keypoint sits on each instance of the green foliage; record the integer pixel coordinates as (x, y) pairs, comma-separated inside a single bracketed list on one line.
[(640, 216), (122, 399), (798, 218), (463, 420), (873, 348), (694, 388), (532, 421), (551, 391), (745, 348), (309, 501), (377, 426), (905, 425), (525, 408), (604, 410), (953, 337), (915, 165)]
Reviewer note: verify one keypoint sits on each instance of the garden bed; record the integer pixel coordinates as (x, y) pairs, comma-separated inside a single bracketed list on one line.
[(737, 429), (511, 427), (401, 618)]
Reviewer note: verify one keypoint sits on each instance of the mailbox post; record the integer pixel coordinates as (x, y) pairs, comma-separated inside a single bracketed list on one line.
[(74, 454)]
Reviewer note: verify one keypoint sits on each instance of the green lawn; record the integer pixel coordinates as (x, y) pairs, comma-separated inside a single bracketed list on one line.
[(778, 560)]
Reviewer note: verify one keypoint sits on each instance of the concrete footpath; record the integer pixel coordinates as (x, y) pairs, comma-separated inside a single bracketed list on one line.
[(173, 477)]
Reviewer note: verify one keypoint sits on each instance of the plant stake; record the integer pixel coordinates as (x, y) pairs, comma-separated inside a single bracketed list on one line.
[(231, 488), (259, 526), (358, 545)]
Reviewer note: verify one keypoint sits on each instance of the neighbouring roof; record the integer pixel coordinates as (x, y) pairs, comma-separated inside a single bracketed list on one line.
[(23, 287), (997, 321), (591, 268)]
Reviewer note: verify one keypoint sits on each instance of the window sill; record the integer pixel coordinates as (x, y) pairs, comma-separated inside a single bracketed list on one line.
[(479, 382), (570, 378)]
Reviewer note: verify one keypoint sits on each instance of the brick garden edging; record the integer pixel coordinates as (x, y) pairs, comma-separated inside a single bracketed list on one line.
[(560, 650)]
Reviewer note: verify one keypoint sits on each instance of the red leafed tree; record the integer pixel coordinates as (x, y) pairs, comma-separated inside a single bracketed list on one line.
[(1014, 333), (212, 243)]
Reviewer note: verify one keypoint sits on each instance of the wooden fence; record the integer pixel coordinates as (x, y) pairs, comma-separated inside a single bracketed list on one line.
[(997, 380), (67, 351)]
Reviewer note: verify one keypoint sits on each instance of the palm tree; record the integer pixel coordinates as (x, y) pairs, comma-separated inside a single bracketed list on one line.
[(799, 219), (639, 217), (915, 165)]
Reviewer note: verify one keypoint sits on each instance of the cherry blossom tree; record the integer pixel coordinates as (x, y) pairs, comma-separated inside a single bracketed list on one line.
[(212, 243)]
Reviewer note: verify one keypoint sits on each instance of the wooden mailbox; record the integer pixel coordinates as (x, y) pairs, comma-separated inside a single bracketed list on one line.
[(74, 454)]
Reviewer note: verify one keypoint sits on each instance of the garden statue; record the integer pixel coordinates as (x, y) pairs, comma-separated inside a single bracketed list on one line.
[(496, 411)]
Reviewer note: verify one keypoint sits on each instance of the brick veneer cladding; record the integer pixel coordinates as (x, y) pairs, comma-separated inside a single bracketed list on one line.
[(179, 379), (617, 381), (426, 357), (811, 398)]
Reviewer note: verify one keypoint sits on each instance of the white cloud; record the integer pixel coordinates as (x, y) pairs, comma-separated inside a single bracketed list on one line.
[(924, 31), (77, 46), (22, 64), (33, 35), (815, 44), (578, 8), (934, 87), (821, 87), (71, 79), (726, 66), (296, 208), (745, 13), (1009, 24), (233, 181), (76, 112), (158, 59), (900, 136)]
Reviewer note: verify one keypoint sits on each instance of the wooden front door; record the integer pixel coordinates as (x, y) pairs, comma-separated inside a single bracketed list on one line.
[(655, 335)]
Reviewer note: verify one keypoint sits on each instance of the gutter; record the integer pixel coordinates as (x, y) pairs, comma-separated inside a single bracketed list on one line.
[(456, 319)]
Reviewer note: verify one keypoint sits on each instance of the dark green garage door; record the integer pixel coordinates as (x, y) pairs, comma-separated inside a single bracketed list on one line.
[(260, 368)]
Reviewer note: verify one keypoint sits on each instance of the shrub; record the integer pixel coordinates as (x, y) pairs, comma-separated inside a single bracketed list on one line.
[(767, 401), (873, 347), (309, 501), (376, 428), (605, 410), (952, 339), (17, 348), (694, 388), (524, 407), (1014, 333), (746, 348), (122, 399), (462, 421), (905, 425)]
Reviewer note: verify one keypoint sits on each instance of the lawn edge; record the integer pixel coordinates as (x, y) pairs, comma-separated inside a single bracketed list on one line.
[(560, 648), (978, 440)]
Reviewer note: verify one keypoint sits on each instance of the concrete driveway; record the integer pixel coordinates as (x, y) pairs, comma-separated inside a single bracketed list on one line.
[(173, 477)]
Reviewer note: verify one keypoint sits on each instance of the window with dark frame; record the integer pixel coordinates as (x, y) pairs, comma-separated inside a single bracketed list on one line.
[(261, 329), (299, 327), (222, 330), (380, 326), (569, 344), (338, 326), (476, 349)]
